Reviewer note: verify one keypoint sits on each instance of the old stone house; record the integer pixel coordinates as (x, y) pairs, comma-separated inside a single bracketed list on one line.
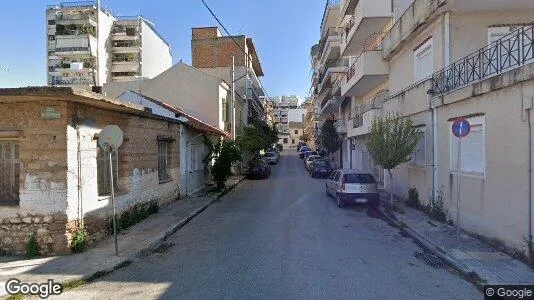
[(53, 173)]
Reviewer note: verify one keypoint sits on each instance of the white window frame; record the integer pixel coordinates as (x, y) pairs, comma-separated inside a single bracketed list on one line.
[(475, 122), (422, 143), (417, 54)]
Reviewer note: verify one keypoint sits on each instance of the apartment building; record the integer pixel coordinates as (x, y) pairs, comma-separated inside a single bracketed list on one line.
[(212, 53), (287, 109), (88, 46), (435, 61)]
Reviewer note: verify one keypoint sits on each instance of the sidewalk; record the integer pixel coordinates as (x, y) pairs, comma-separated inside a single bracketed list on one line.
[(136, 242), (475, 260)]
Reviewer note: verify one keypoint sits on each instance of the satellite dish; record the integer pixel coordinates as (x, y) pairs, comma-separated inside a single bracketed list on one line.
[(110, 137)]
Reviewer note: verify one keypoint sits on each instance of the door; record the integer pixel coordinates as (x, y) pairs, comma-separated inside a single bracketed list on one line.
[(330, 181)]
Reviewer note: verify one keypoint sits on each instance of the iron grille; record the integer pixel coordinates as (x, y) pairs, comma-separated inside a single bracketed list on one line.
[(506, 53)]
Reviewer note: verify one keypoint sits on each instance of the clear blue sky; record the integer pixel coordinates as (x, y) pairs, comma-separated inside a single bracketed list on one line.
[(283, 32)]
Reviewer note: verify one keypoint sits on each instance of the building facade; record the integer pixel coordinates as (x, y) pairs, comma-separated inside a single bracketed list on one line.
[(212, 53), (88, 46), (433, 62), (287, 109), (177, 86)]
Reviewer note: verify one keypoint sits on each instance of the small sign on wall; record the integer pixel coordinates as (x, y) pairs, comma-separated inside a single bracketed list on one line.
[(50, 112)]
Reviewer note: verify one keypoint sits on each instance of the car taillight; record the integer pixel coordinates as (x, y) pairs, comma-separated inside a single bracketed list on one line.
[(343, 184)]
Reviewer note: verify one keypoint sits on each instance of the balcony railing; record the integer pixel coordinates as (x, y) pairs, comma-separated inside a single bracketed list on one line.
[(507, 53), (332, 64)]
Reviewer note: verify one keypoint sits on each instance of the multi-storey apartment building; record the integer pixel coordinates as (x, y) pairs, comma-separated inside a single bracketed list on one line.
[(88, 46), (434, 61), (287, 109), (213, 53)]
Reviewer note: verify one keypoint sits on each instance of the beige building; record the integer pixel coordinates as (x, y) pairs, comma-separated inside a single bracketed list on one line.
[(197, 93), (435, 61), (88, 46)]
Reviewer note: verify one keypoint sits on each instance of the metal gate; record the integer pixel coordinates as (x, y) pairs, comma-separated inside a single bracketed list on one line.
[(9, 171)]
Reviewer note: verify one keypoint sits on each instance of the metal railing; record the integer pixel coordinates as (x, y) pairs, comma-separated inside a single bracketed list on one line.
[(507, 53), (332, 64), (69, 49)]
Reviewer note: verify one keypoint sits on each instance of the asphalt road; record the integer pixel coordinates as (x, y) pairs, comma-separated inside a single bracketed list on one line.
[(282, 238)]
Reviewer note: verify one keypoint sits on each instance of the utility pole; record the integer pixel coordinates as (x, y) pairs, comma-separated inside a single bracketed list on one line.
[(233, 95)]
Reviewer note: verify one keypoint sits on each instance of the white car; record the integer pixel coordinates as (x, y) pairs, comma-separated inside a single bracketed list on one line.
[(351, 186)]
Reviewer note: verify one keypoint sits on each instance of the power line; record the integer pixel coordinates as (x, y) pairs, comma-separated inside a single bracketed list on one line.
[(230, 36)]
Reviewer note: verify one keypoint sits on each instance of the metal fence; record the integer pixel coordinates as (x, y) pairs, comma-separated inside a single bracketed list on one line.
[(507, 53)]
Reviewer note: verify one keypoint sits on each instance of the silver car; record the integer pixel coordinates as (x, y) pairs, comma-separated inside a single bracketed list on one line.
[(352, 186), (271, 158)]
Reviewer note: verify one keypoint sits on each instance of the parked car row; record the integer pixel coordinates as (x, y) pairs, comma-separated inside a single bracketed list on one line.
[(347, 186), (259, 167)]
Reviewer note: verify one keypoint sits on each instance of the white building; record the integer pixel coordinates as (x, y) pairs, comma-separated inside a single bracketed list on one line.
[(88, 46), (287, 109)]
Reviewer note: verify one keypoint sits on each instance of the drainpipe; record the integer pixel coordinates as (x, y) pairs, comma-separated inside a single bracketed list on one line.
[(529, 184), (79, 158), (435, 157)]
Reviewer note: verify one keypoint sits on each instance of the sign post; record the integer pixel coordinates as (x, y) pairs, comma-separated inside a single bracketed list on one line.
[(111, 138), (460, 129)]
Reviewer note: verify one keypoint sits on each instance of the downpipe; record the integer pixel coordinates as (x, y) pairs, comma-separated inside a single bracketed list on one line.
[(434, 165), (529, 188)]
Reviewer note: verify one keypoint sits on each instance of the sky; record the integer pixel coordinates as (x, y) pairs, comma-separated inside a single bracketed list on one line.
[(283, 32)]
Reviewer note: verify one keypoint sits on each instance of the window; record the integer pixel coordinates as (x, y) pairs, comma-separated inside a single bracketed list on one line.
[(51, 22), (225, 114), (472, 149), (419, 154), (359, 178), (9, 172), (193, 158), (292, 141), (285, 140), (423, 61), (336, 177), (163, 161), (102, 169), (296, 132)]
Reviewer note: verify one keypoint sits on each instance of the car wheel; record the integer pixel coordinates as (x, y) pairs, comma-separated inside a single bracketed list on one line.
[(340, 203), (312, 174)]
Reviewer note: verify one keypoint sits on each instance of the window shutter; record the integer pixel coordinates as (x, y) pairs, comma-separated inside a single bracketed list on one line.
[(473, 150)]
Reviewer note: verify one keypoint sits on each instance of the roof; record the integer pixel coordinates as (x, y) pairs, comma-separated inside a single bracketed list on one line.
[(256, 64), (70, 94), (192, 121)]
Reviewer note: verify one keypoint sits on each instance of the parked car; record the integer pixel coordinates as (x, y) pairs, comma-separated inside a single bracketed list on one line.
[(258, 168), (302, 150), (308, 153), (280, 147), (320, 168), (275, 150), (271, 157), (308, 162), (352, 186), (300, 144)]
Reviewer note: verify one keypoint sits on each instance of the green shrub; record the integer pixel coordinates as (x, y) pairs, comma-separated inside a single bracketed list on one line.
[(134, 215), (79, 241), (32, 247)]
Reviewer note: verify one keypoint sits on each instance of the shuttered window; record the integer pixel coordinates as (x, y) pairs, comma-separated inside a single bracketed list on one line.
[(103, 174), (9, 172), (472, 150), (419, 154), (423, 61)]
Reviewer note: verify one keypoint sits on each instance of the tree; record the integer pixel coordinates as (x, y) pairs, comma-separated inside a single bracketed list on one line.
[(329, 138), (256, 137), (304, 137), (391, 142), (223, 153)]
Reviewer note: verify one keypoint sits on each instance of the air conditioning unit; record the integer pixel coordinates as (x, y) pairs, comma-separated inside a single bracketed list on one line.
[(76, 66)]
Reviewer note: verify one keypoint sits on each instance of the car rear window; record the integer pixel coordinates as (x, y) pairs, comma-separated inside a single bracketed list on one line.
[(359, 178), (270, 154), (320, 163)]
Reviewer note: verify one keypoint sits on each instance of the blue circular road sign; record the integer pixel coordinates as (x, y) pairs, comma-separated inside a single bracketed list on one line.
[(461, 127)]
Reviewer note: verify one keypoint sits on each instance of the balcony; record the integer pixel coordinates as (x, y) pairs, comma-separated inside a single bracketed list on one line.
[(329, 105), (77, 19), (330, 4), (505, 54), (125, 66), (341, 126), (75, 45), (369, 17), (366, 73), (361, 123), (125, 35), (131, 48), (416, 14), (336, 66)]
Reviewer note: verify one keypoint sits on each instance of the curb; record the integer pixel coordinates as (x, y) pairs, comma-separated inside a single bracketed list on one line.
[(155, 243), (468, 274)]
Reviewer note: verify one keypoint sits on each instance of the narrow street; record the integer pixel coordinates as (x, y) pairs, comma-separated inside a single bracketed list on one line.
[(282, 238)]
